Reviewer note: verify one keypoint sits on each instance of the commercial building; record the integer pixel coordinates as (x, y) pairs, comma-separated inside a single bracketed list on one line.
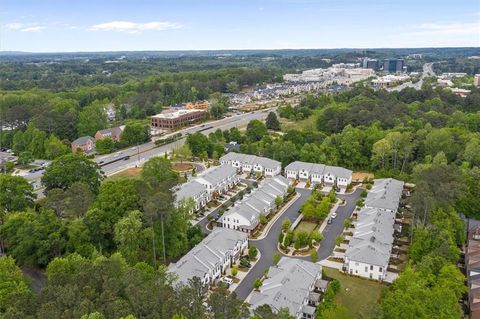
[(245, 214), (172, 119), (197, 105), (212, 257), (252, 164), (393, 65), (294, 284), (371, 64), (389, 80), (369, 249), (476, 80)]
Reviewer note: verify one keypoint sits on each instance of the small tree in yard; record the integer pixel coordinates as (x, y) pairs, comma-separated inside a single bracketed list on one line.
[(347, 223), (290, 189), (276, 258), (359, 203), (272, 122), (258, 175), (257, 284), (234, 272), (255, 184), (252, 252), (262, 218), (316, 236), (265, 272), (338, 240), (278, 201), (286, 223), (314, 256), (363, 194)]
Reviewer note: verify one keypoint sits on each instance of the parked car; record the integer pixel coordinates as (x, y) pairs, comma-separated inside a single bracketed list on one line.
[(227, 281), (329, 221), (126, 158), (334, 215)]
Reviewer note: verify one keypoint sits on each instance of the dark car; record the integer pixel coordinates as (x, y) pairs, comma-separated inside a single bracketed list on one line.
[(329, 221), (126, 158)]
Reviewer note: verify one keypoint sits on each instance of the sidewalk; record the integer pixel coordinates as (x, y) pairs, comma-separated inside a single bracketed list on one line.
[(330, 264), (242, 274)]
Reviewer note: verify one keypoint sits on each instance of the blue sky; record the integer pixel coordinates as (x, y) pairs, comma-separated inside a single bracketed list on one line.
[(113, 25)]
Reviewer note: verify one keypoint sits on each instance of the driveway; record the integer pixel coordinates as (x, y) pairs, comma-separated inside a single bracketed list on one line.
[(268, 245)]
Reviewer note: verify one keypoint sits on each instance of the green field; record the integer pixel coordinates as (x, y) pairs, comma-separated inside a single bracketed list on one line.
[(356, 294), (306, 226), (131, 173)]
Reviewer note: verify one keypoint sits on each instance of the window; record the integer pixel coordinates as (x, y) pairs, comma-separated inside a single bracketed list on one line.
[(366, 268), (371, 267), (380, 269)]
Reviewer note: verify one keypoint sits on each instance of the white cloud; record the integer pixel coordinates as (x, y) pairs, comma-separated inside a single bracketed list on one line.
[(472, 28), (33, 29), (14, 26), (23, 27), (135, 28)]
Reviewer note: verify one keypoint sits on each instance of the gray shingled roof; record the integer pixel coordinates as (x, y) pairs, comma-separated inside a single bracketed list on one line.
[(190, 189), (314, 168), (338, 171), (385, 193), (250, 159), (287, 286), (206, 255), (82, 140), (217, 174)]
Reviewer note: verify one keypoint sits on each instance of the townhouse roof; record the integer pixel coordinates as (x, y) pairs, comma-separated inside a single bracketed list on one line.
[(217, 174), (258, 201), (83, 140), (385, 193), (207, 254), (314, 168), (111, 131), (250, 159), (372, 240), (190, 189), (287, 286), (338, 172)]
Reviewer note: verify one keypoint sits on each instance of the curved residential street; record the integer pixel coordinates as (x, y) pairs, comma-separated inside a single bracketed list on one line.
[(268, 245)]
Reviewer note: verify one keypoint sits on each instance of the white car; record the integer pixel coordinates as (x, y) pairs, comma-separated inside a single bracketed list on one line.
[(334, 215), (227, 281)]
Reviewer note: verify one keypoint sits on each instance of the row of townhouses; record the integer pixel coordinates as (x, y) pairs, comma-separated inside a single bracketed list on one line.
[(214, 181), (252, 164), (211, 258), (294, 284), (319, 174), (245, 215), (370, 247)]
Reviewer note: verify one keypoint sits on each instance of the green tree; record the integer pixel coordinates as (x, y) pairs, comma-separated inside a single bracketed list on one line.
[(256, 130), (286, 224), (159, 173), (15, 293), (224, 304), (105, 146), (135, 133), (257, 283), (276, 258), (117, 197), (16, 194), (71, 168), (198, 144), (127, 231), (252, 251), (92, 119), (34, 238), (272, 122), (54, 147)]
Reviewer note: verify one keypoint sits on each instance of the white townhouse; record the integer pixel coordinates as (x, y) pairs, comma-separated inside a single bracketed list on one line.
[(319, 173), (334, 175), (369, 250), (194, 190), (294, 284), (245, 214), (219, 179), (251, 164), (211, 257)]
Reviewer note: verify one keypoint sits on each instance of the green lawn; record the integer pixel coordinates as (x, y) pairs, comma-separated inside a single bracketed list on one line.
[(356, 294), (306, 226), (130, 173)]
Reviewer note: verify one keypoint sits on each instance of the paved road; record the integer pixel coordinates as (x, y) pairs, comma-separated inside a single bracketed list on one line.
[(148, 150), (268, 245), (427, 71)]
